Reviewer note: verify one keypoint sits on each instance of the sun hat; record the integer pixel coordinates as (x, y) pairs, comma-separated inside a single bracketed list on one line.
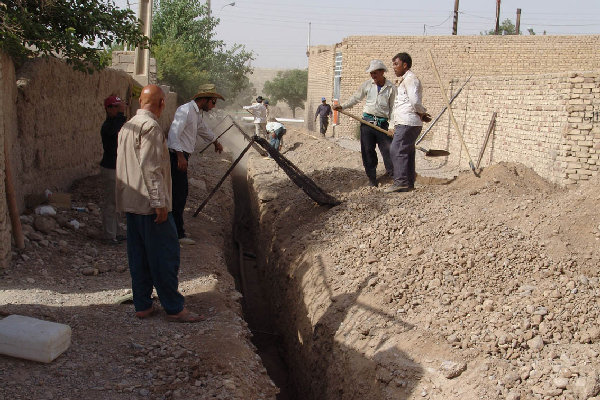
[(111, 100), (375, 65), (259, 99), (207, 90)]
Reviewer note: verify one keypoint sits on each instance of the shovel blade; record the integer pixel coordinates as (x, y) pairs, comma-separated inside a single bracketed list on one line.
[(436, 153)]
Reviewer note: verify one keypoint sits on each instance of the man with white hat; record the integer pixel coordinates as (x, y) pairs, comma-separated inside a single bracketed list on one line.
[(323, 111), (187, 123), (380, 94), (259, 111)]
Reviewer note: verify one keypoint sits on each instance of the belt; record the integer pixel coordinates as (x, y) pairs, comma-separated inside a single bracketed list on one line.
[(185, 153), (379, 121)]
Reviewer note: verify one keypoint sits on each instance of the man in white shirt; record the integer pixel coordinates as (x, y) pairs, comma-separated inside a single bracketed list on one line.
[(380, 94), (407, 114), (187, 123), (259, 111)]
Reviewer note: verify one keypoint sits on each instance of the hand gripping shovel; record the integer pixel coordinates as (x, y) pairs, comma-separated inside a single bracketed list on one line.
[(428, 152)]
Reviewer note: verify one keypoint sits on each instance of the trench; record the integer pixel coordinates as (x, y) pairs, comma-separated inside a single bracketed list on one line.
[(245, 267)]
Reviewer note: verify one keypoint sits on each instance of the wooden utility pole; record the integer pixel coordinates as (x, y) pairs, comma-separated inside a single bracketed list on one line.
[(455, 22), (518, 27), (208, 6), (497, 17)]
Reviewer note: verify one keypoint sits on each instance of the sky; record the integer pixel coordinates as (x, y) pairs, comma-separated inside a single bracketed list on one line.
[(277, 30)]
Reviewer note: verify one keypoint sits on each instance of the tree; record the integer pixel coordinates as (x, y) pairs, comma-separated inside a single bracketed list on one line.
[(290, 87), (187, 53), (72, 30), (506, 28)]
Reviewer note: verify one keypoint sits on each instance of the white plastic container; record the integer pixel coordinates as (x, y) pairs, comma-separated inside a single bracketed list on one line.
[(33, 339)]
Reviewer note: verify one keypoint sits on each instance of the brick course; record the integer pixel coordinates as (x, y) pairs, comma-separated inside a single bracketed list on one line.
[(545, 90)]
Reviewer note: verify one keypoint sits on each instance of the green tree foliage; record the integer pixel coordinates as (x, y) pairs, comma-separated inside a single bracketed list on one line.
[(69, 29), (289, 87), (506, 28), (187, 53)]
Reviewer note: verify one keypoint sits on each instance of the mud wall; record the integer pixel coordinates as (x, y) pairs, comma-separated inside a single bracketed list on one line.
[(8, 125), (59, 115), (513, 75)]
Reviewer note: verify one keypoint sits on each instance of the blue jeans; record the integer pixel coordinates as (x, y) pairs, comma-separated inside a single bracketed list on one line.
[(402, 152), (153, 253)]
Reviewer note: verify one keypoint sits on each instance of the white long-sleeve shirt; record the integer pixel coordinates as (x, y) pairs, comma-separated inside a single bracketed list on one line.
[(377, 103), (187, 125), (259, 111), (408, 101)]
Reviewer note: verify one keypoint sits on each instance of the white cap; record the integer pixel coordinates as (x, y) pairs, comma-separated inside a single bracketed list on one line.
[(375, 65)]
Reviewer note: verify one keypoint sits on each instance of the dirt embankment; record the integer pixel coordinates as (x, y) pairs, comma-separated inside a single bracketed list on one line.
[(66, 276), (485, 288)]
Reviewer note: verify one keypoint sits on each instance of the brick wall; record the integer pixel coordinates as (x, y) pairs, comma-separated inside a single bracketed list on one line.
[(528, 80), (320, 81), (124, 60)]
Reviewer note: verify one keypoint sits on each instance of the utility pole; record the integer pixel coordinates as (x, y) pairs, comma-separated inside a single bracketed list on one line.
[(455, 22), (141, 64), (208, 6), (497, 17), (518, 27), (308, 45)]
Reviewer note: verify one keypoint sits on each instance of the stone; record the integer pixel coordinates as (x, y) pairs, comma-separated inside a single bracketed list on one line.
[(536, 344), (44, 224), (452, 369)]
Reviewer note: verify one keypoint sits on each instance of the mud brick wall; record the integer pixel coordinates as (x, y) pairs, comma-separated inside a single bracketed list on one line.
[(124, 60), (321, 63), (59, 115), (8, 125), (511, 75)]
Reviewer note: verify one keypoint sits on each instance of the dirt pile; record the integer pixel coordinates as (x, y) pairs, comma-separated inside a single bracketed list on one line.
[(65, 275), (483, 288)]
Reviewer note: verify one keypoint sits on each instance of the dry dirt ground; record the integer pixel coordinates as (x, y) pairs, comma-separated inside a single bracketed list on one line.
[(484, 288), (66, 276)]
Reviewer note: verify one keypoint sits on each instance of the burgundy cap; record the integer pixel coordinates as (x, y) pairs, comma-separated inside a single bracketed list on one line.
[(109, 101)]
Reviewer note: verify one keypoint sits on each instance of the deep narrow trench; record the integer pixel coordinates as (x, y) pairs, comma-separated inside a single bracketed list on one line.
[(243, 265)]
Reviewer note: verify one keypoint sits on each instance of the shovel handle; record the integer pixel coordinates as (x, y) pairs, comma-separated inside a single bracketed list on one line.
[(362, 121)]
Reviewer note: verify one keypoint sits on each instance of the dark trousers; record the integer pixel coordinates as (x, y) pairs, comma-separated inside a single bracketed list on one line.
[(179, 188), (153, 253), (323, 123), (369, 138), (403, 152)]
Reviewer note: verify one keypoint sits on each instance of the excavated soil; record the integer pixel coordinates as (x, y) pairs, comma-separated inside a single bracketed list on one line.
[(67, 276), (484, 288)]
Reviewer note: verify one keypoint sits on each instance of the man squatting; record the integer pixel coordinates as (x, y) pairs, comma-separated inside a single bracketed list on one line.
[(380, 94), (143, 192)]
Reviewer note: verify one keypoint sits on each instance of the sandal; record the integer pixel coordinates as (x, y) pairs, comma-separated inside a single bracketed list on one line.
[(146, 313), (186, 316)]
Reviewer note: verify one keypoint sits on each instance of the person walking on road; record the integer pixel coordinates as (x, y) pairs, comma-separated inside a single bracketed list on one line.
[(259, 111), (187, 124), (407, 114), (324, 112), (143, 192), (115, 118), (380, 94)]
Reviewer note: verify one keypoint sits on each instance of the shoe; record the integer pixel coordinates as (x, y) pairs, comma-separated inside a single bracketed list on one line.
[(146, 313), (373, 182), (398, 188), (187, 241)]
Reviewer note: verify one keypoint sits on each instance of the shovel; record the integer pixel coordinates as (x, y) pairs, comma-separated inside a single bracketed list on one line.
[(428, 152)]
